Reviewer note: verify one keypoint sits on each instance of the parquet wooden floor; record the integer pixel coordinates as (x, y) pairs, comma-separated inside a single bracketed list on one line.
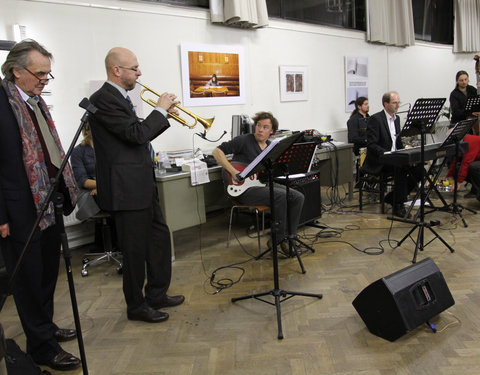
[(208, 334)]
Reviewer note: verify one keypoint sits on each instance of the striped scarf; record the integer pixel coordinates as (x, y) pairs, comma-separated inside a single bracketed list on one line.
[(33, 158)]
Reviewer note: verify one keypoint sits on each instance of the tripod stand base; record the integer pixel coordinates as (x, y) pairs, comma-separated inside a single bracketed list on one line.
[(280, 296), (456, 209), (419, 244)]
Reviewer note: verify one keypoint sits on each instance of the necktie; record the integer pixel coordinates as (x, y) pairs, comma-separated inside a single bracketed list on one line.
[(150, 148), (52, 148), (131, 103)]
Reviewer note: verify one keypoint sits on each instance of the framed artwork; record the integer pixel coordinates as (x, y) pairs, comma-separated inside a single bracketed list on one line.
[(212, 74), (293, 83)]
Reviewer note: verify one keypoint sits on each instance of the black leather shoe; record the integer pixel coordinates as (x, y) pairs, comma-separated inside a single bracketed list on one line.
[(168, 301), (399, 210), (146, 314), (63, 361), (64, 334)]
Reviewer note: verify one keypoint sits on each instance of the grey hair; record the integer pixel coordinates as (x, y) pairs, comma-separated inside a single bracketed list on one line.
[(18, 57)]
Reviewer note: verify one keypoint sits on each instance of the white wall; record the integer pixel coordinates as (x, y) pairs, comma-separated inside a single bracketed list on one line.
[(79, 33)]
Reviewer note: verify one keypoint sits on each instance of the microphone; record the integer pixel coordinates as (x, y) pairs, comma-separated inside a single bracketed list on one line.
[(204, 136)]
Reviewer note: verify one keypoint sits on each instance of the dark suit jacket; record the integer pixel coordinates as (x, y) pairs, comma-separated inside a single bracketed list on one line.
[(379, 141), (125, 178)]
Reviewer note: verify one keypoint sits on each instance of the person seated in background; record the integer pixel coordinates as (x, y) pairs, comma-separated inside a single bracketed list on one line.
[(213, 82), (357, 125), (83, 165), (245, 148), (458, 100), (383, 129), (469, 169)]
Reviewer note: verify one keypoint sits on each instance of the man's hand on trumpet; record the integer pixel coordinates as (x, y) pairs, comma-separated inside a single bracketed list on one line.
[(168, 102)]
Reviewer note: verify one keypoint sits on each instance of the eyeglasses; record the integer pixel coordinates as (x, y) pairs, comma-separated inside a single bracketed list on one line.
[(42, 81), (132, 69)]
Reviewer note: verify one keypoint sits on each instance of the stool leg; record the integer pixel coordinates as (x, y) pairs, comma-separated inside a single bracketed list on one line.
[(258, 229), (230, 225)]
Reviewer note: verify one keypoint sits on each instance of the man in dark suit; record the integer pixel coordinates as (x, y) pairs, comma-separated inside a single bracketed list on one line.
[(30, 154), (127, 189), (383, 129)]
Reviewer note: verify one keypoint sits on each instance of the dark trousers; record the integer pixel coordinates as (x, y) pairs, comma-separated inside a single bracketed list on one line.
[(34, 289), (473, 176), (405, 179), (144, 238), (261, 196)]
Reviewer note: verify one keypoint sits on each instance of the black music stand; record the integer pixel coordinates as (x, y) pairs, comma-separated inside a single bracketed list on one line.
[(265, 161), (460, 130), (420, 121), (473, 104), (295, 160)]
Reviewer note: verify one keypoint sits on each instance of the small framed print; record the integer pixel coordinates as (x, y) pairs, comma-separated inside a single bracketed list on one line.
[(293, 83)]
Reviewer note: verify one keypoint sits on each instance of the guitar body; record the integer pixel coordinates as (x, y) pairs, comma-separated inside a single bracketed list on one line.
[(235, 189)]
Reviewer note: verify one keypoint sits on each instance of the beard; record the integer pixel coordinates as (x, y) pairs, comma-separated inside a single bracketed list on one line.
[(128, 84)]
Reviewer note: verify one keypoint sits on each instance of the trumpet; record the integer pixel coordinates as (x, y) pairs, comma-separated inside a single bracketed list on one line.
[(206, 122)]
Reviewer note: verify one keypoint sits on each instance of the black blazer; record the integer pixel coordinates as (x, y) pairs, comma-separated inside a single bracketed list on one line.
[(125, 177), (357, 131), (379, 141), (458, 100)]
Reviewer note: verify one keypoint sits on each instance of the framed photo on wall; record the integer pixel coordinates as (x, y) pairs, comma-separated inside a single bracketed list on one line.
[(356, 80), (212, 74), (293, 83)]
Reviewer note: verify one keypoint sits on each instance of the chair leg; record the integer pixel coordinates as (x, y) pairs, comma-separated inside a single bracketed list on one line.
[(230, 226), (258, 229), (360, 196), (107, 255)]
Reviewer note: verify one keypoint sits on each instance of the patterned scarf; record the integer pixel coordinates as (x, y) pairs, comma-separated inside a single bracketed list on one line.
[(33, 159)]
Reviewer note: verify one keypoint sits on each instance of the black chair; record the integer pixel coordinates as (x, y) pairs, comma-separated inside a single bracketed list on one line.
[(108, 254)]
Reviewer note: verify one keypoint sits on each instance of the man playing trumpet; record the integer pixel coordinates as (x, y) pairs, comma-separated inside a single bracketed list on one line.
[(127, 189)]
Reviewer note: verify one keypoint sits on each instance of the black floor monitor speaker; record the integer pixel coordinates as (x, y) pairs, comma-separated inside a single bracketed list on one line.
[(310, 187), (400, 302)]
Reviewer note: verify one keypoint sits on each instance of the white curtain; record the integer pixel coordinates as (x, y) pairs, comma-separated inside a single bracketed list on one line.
[(466, 37), (239, 13), (390, 22)]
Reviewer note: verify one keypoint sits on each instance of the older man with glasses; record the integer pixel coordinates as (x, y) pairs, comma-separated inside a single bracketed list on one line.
[(30, 155)]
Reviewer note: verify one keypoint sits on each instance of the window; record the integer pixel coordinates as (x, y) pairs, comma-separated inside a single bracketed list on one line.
[(433, 20), (350, 14), (190, 3)]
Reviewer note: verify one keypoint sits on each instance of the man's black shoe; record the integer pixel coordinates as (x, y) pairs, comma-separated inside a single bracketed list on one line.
[(168, 301), (146, 314), (64, 334), (63, 361), (399, 210)]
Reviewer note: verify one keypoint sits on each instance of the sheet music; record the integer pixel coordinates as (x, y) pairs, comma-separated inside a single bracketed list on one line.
[(260, 156)]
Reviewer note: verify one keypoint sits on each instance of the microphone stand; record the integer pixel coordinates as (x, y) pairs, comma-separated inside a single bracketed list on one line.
[(57, 199)]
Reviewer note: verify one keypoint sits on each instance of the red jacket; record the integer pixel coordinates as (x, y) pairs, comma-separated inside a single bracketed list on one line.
[(472, 154)]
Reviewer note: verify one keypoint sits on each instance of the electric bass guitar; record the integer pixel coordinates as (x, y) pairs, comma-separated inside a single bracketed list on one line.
[(234, 189)]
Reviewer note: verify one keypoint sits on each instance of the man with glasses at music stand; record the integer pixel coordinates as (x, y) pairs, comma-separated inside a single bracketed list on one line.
[(31, 155)]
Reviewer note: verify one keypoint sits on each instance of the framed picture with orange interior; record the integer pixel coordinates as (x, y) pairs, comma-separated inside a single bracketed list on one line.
[(212, 74)]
